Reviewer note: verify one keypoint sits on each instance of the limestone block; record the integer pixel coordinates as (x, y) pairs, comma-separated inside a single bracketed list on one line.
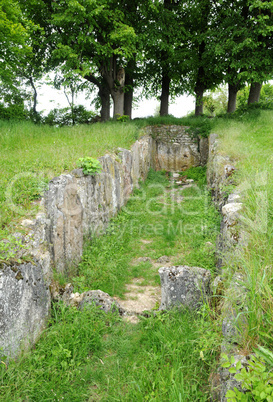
[(127, 184), (112, 173), (65, 211), (24, 306), (204, 150), (102, 299), (176, 149), (220, 170), (183, 285)]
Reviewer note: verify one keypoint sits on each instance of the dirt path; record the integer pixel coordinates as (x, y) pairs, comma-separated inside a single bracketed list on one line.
[(139, 297)]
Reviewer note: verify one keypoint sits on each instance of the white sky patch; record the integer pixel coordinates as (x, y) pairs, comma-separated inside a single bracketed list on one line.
[(50, 98)]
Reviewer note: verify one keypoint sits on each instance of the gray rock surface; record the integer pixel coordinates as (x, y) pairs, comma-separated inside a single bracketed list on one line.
[(163, 259), (74, 206), (230, 242), (24, 306), (183, 285), (220, 169), (102, 299), (176, 149)]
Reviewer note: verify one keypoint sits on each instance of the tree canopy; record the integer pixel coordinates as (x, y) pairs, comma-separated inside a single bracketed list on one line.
[(167, 47)]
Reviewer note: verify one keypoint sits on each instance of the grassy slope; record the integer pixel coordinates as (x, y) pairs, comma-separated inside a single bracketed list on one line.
[(31, 155), (250, 141)]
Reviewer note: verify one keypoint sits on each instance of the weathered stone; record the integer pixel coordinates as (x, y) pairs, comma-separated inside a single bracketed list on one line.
[(27, 223), (78, 172), (102, 299), (78, 205), (176, 150), (231, 235), (163, 260), (234, 319), (24, 307), (204, 150), (219, 172), (183, 285), (230, 242)]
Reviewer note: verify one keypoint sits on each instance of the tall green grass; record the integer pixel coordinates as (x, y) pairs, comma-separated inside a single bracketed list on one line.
[(92, 356), (249, 140)]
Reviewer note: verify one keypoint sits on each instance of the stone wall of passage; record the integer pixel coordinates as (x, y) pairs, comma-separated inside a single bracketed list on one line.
[(177, 149), (230, 241), (78, 205)]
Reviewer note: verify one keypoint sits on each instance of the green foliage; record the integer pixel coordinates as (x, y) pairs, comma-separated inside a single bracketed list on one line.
[(89, 165), (256, 381), (58, 367), (215, 102), (9, 247), (13, 112), (249, 141), (197, 125), (123, 118), (200, 126), (198, 174), (266, 98)]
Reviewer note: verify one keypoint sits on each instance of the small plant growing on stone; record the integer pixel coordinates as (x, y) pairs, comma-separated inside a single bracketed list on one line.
[(89, 165), (256, 381)]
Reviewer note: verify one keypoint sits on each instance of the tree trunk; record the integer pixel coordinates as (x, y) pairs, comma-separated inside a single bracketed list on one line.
[(118, 99), (164, 98), (232, 96), (200, 82), (34, 107), (254, 93), (104, 95), (128, 96), (199, 92), (128, 103), (114, 77)]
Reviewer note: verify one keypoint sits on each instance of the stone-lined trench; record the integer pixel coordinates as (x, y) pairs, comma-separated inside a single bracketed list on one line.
[(76, 204)]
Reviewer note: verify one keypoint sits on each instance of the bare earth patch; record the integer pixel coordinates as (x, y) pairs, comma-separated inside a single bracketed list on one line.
[(140, 298), (146, 241)]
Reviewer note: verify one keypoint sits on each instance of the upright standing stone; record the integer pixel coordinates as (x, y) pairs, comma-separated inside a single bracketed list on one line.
[(24, 306), (183, 285)]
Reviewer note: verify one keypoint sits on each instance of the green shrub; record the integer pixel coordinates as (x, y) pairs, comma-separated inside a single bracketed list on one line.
[(64, 116)]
